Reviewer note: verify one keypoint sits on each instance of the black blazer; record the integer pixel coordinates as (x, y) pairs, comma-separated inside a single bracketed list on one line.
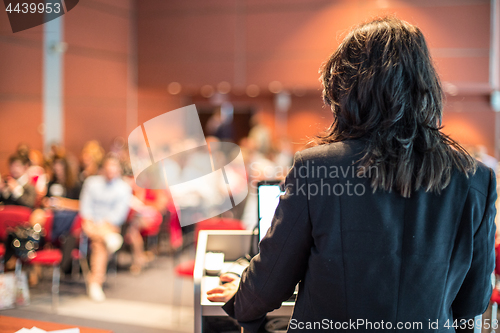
[(371, 256)]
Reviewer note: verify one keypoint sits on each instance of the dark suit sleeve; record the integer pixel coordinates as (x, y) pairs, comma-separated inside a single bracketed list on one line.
[(273, 273), (475, 292)]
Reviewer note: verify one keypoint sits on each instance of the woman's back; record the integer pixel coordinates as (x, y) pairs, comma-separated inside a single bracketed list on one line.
[(388, 220), (379, 256), (369, 259)]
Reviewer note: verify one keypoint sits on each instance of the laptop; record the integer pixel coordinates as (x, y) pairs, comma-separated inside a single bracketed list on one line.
[(268, 198)]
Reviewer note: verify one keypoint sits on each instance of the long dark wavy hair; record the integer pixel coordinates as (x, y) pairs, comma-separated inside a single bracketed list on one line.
[(70, 180), (381, 85)]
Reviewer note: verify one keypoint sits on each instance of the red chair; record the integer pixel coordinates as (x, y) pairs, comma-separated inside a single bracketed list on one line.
[(50, 257), (2, 252), (152, 231), (174, 228), (185, 269), (12, 216), (495, 296)]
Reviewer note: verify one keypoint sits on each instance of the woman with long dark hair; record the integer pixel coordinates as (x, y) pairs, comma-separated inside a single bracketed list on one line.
[(387, 223)]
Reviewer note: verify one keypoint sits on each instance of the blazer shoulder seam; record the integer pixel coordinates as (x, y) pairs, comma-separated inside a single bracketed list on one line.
[(478, 190)]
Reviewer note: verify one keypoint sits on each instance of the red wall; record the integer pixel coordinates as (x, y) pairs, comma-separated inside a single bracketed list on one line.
[(95, 78), (20, 88), (96, 72), (200, 43)]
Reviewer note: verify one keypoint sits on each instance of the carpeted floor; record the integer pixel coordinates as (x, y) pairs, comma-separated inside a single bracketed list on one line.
[(134, 304)]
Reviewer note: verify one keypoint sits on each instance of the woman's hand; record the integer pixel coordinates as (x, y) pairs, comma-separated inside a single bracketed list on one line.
[(225, 292), (45, 203)]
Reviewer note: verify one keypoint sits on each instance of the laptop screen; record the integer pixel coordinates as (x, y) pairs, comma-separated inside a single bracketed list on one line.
[(268, 196)]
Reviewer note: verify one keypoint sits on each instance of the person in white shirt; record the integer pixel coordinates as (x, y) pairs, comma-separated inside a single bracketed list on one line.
[(104, 206)]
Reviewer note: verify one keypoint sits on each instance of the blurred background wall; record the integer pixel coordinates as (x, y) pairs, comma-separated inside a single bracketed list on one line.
[(127, 61)]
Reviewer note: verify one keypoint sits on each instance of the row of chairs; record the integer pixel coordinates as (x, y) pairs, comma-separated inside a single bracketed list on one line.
[(11, 216)]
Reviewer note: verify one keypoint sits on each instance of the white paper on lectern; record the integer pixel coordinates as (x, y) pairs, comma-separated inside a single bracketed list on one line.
[(68, 330), (23, 330), (34, 329)]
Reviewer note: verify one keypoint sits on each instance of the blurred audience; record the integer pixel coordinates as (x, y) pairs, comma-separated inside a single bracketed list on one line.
[(52, 186)]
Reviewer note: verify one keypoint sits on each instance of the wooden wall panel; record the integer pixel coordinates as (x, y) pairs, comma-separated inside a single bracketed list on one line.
[(96, 76), (20, 88)]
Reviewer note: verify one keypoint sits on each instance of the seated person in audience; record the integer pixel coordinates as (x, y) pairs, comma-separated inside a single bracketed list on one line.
[(91, 159), (16, 189), (104, 205), (146, 206), (63, 193), (36, 173), (63, 189)]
